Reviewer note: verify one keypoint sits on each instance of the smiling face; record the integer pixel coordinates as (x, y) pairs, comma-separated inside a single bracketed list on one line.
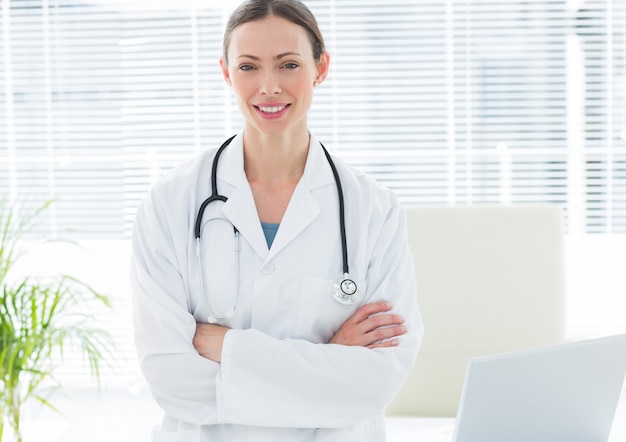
[(272, 71)]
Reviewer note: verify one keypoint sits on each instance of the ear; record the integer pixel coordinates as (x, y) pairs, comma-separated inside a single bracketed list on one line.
[(225, 73), (323, 65)]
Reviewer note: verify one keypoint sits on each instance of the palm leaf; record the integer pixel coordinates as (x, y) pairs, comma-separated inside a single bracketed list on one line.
[(39, 319)]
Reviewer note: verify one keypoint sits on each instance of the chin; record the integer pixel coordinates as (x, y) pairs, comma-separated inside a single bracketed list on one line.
[(270, 129)]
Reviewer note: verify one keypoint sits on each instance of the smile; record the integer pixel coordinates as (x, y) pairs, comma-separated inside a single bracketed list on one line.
[(269, 111), (273, 109)]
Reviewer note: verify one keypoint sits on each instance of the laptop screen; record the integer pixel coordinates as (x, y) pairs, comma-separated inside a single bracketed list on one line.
[(566, 392)]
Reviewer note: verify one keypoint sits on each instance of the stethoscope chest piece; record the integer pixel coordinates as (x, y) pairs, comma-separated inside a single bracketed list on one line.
[(345, 291)]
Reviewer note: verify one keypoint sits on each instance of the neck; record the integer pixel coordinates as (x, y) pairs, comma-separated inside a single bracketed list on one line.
[(275, 159)]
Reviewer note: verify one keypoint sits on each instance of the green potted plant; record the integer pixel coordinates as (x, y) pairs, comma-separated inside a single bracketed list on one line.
[(40, 317)]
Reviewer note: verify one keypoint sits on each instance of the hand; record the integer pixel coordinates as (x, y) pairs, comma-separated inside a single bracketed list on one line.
[(367, 327), (208, 341)]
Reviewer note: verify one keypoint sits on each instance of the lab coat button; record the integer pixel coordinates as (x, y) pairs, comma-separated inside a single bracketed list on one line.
[(268, 269)]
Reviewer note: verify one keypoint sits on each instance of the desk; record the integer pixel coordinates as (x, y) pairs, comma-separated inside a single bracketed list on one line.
[(118, 416), (410, 429)]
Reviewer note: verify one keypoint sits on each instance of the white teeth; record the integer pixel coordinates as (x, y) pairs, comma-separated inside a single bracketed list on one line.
[(272, 110)]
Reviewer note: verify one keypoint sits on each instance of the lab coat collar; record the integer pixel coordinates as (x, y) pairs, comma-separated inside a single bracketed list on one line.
[(240, 208)]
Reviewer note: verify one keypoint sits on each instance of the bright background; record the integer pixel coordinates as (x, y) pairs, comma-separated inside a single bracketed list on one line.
[(446, 102)]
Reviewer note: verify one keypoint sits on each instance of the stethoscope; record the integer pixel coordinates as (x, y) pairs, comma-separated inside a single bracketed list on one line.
[(344, 290)]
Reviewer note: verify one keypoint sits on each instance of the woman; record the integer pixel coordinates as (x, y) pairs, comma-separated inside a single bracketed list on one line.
[(248, 342)]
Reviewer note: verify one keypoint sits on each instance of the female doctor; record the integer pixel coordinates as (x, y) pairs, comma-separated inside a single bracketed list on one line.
[(273, 289)]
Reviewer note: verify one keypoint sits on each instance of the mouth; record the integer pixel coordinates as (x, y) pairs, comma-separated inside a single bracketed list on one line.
[(273, 111)]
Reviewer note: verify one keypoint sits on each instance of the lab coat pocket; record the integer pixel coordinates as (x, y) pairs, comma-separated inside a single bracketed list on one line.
[(176, 436), (319, 314)]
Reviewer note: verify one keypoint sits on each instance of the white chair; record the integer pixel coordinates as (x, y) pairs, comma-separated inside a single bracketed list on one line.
[(490, 280)]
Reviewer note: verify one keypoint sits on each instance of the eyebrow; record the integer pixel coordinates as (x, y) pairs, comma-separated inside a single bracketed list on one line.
[(278, 57)]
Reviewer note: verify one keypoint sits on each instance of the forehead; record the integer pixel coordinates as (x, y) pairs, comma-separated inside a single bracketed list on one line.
[(269, 37)]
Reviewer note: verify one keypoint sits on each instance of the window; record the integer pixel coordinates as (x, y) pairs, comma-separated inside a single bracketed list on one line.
[(453, 102)]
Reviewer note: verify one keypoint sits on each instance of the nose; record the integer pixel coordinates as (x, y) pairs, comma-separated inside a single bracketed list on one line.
[(270, 84)]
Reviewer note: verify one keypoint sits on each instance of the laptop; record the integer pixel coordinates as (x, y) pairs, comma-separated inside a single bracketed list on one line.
[(562, 393)]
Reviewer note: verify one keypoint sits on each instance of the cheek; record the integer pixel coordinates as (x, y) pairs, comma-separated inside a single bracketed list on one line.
[(243, 90), (302, 87)]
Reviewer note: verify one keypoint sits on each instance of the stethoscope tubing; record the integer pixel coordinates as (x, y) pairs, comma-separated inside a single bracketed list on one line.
[(345, 289), (342, 212), (215, 196)]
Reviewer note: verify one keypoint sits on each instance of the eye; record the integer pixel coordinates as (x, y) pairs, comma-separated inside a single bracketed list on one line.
[(290, 65), (246, 67)]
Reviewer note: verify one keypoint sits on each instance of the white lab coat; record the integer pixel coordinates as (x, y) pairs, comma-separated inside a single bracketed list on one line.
[(279, 380)]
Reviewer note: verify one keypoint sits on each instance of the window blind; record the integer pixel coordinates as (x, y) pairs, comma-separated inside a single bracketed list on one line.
[(445, 102)]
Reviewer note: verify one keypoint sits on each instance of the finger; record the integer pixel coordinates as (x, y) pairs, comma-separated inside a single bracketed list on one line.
[(381, 334), (371, 329), (368, 310), (384, 344), (382, 320)]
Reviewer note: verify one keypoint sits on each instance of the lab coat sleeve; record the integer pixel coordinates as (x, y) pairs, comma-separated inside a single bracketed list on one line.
[(295, 383), (182, 382)]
